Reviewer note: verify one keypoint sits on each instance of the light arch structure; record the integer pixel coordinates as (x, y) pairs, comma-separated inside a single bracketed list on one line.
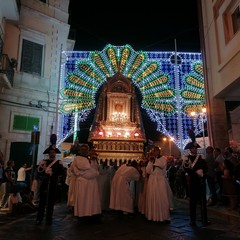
[(171, 84)]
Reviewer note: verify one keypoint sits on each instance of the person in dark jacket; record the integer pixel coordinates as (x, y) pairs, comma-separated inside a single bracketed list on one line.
[(196, 167), (49, 171)]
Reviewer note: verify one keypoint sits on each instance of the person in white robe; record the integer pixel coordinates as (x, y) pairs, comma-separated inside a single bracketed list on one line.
[(159, 197), (121, 197), (86, 195)]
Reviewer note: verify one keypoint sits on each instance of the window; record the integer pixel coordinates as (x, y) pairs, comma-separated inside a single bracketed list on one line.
[(31, 58), (236, 20), (231, 22)]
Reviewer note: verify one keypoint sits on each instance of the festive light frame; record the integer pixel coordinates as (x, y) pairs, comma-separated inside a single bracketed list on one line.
[(171, 84)]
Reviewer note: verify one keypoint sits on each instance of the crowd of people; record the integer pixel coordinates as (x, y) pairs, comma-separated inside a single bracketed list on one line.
[(146, 187), (206, 180), (16, 194)]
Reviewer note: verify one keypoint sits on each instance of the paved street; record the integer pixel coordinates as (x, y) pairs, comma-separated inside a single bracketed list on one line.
[(65, 226)]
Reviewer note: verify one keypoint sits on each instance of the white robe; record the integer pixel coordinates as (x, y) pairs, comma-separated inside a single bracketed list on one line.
[(121, 197), (86, 193), (159, 198)]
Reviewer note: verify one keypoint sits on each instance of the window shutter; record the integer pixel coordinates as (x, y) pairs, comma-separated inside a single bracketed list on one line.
[(31, 61), (37, 59)]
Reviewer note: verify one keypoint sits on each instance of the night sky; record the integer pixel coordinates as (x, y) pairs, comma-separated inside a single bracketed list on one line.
[(144, 27)]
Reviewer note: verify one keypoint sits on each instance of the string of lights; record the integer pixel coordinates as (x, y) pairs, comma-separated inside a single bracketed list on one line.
[(153, 73)]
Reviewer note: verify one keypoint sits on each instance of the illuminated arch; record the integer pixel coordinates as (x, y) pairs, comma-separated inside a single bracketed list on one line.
[(170, 90)]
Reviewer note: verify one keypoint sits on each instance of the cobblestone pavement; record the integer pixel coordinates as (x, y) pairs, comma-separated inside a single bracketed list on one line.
[(128, 227)]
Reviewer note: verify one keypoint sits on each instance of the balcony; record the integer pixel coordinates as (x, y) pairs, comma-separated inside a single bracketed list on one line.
[(6, 71)]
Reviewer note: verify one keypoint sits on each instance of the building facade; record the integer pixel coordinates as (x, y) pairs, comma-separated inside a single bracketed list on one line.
[(33, 35), (220, 38)]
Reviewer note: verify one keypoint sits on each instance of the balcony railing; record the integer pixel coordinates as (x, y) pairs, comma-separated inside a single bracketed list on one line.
[(6, 70)]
